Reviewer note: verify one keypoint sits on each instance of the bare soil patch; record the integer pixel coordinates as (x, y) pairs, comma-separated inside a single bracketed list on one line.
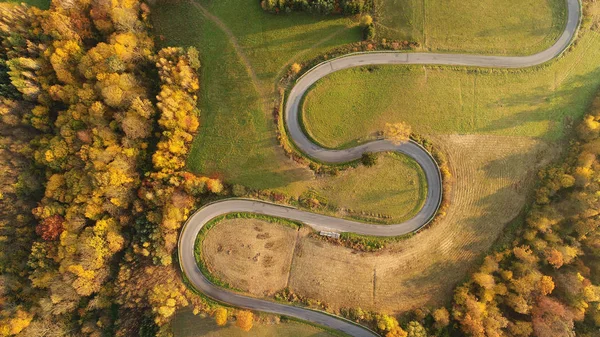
[(250, 254)]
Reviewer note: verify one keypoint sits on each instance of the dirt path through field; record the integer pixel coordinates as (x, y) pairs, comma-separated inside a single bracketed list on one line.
[(236, 45)]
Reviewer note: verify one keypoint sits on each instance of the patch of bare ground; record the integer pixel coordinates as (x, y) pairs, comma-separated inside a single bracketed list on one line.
[(250, 254), (493, 178)]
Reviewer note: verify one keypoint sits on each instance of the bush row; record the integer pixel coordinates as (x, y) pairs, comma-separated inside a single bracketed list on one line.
[(318, 6)]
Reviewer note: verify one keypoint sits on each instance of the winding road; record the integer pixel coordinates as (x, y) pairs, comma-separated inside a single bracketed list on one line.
[(321, 222)]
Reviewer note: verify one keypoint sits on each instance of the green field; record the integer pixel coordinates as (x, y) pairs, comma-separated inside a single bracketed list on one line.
[(544, 102), (242, 62), (185, 324), (395, 187), (236, 140), (481, 26)]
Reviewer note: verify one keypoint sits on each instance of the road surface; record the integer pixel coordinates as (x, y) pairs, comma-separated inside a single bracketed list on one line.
[(321, 222)]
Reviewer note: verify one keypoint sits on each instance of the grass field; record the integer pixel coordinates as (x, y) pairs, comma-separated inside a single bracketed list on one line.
[(395, 187), (481, 26), (186, 324), (493, 174), (350, 104), (236, 140)]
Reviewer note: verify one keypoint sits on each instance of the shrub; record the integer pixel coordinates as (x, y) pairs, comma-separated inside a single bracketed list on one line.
[(369, 159), (369, 32), (221, 316), (366, 20), (295, 68), (347, 7), (244, 320), (238, 190), (397, 133)]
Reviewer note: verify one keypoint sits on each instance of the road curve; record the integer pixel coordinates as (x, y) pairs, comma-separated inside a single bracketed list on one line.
[(195, 223)]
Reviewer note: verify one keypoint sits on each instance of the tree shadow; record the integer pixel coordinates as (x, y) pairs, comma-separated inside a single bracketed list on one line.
[(186, 324), (301, 37), (574, 94), (493, 211), (271, 21), (498, 168), (441, 273), (275, 179)]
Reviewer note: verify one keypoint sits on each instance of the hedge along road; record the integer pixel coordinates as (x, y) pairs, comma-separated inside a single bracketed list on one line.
[(195, 223)]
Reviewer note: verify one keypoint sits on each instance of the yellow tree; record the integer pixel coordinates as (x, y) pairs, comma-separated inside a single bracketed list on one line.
[(296, 68), (441, 317), (389, 324), (15, 323), (555, 258), (366, 20), (221, 316), (546, 285), (397, 133), (244, 320), (396, 332)]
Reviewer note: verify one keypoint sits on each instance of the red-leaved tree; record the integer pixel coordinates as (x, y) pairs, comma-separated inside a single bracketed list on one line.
[(50, 228)]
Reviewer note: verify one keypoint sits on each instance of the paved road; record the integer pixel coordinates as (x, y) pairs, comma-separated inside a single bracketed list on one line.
[(322, 222)]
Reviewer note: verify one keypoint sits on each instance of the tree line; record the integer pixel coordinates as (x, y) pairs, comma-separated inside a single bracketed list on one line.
[(318, 6), (94, 187)]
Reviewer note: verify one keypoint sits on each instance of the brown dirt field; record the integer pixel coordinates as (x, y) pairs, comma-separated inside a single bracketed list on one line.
[(250, 254), (493, 177)]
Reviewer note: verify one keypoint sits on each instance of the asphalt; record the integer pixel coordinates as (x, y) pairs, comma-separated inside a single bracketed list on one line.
[(321, 222)]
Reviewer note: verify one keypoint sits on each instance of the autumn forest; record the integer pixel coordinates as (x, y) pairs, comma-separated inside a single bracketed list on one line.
[(96, 125)]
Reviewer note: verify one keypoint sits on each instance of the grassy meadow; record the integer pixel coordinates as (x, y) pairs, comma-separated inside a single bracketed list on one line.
[(236, 140), (542, 102), (394, 187), (516, 27)]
